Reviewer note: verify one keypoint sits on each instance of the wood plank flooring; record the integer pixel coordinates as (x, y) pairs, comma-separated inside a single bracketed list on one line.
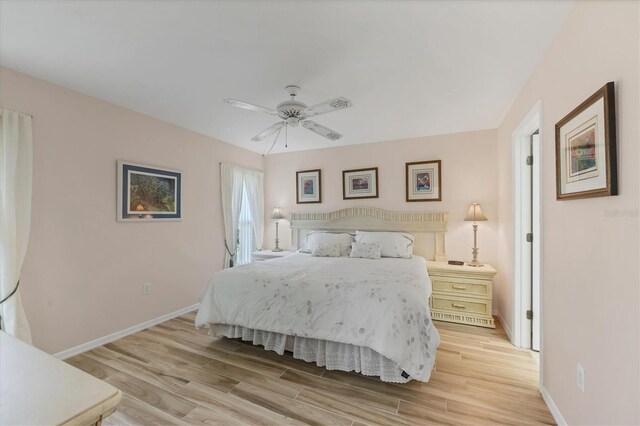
[(172, 374)]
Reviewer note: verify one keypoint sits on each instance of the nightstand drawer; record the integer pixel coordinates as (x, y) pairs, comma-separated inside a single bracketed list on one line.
[(461, 305), (460, 287)]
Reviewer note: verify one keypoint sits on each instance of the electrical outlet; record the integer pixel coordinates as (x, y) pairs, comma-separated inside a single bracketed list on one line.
[(146, 288), (580, 378)]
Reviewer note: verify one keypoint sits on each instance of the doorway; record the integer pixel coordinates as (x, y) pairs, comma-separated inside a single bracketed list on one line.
[(527, 231)]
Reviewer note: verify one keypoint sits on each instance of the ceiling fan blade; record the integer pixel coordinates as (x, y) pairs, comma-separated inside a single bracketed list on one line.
[(268, 132), (321, 130), (328, 106), (251, 107)]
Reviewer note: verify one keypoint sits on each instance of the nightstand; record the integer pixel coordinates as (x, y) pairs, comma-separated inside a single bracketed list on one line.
[(261, 256), (461, 294)]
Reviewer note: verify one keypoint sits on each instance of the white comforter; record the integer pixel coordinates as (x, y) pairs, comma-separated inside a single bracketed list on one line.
[(381, 304)]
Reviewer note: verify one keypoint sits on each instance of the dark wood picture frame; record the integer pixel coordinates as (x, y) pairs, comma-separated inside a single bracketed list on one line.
[(344, 185), (171, 188), (408, 180), (319, 200), (607, 93)]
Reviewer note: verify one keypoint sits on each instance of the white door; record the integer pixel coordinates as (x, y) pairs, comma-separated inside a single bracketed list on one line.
[(530, 243), (535, 246), (527, 227)]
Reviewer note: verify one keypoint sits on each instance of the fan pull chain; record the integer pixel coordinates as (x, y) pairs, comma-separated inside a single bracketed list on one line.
[(286, 136)]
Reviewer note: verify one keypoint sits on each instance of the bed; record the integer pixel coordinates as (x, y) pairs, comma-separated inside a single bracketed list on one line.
[(350, 314)]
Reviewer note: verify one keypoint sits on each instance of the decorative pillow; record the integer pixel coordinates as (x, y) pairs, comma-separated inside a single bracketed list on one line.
[(364, 250), (394, 244), (321, 237), (327, 250)]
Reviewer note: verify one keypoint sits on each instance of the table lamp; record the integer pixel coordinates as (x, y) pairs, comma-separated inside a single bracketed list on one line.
[(277, 216), (475, 215)]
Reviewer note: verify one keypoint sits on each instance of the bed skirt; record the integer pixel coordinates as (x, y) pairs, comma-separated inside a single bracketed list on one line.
[(325, 353)]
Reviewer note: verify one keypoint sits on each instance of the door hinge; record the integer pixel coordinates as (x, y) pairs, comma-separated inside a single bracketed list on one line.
[(529, 237), (529, 314), (530, 160)]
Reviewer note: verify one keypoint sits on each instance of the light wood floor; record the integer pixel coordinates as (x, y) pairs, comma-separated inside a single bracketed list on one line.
[(173, 374)]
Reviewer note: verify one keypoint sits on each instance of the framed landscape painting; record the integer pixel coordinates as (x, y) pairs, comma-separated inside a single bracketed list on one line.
[(586, 159), (360, 183), (148, 193), (424, 181), (308, 187)]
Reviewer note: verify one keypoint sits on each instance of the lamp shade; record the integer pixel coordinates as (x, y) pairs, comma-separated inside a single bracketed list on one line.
[(277, 214), (475, 213)]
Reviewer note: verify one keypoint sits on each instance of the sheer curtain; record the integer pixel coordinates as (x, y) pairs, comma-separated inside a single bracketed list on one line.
[(237, 182), (16, 164), (231, 181), (254, 184), (245, 232)]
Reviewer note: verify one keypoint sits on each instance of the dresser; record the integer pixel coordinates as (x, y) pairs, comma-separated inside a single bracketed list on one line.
[(461, 294), (261, 256)]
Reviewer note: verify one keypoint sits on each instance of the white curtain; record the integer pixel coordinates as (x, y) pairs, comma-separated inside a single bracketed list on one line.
[(231, 179), (16, 164), (254, 184)]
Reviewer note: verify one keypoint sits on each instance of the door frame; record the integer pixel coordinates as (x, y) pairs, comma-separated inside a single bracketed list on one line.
[(520, 137)]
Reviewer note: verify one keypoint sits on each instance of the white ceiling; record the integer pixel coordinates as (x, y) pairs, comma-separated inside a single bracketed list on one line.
[(411, 68)]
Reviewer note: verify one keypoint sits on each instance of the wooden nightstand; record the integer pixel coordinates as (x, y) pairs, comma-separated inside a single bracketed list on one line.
[(461, 294), (261, 256)]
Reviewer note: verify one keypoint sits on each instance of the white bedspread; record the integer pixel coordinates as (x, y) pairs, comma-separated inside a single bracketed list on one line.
[(381, 304)]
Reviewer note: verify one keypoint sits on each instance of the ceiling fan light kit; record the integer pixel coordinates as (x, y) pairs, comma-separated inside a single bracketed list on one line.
[(293, 113)]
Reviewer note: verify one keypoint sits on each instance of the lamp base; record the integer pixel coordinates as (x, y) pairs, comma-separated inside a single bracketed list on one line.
[(475, 249), (277, 247)]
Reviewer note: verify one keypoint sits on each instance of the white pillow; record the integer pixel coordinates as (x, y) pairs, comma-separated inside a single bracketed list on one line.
[(344, 239), (366, 251), (394, 244), (327, 250)]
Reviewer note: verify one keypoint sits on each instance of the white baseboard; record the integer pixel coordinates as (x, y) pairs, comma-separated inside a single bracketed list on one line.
[(504, 324), (553, 408), (122, 333)]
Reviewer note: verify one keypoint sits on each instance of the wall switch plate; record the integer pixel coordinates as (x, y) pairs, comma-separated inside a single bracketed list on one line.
[(146, 288), (580, 378)]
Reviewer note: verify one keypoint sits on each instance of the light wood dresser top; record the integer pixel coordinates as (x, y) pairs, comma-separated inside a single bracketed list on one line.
[(37, 388)]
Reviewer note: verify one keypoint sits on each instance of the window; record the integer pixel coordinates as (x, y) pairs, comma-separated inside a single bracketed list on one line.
[(245, 231)]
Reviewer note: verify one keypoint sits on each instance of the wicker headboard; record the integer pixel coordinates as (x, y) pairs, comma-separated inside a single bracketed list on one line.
[(373, 219)]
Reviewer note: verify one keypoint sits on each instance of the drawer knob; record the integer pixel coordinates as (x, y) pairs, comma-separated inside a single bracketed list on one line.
[(459, 287), (459, 306)]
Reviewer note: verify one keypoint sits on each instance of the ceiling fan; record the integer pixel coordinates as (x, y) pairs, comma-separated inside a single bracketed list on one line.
[(293, 113)]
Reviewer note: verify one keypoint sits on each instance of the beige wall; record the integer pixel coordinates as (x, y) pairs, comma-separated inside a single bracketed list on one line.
[(468, 174), (83, 274), (590, 303)]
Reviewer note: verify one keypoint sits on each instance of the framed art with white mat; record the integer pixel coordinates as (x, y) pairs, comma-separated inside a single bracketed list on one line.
[(308, 187), (424, 181), (586, 156), (360, 183)]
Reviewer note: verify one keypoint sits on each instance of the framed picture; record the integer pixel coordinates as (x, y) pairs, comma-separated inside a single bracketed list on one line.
[(360, 183), (424, 181), (308, 187), (586, 159), (148, 193)]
